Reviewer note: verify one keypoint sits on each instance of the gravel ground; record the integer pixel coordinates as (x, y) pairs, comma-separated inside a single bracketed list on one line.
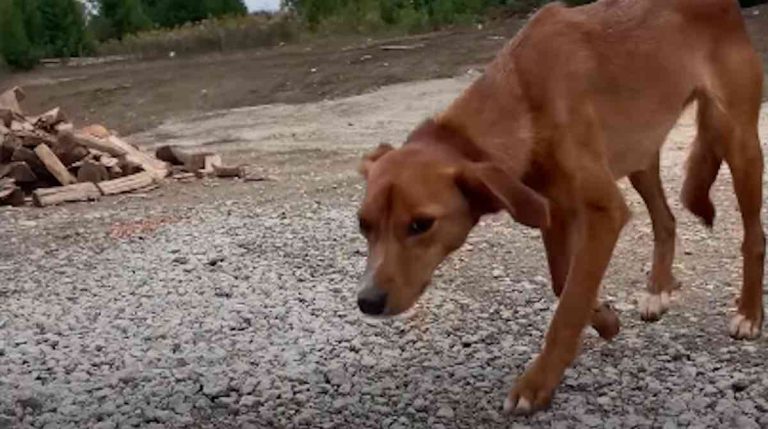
[(222, 304)]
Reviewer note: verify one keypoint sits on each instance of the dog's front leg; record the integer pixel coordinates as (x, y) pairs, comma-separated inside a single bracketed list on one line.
[(604, 213)]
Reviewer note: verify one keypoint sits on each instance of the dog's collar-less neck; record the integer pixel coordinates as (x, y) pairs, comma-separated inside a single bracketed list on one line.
[(432, 132)]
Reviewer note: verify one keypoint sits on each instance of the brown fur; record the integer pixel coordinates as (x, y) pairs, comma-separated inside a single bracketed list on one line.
[(578, 99)]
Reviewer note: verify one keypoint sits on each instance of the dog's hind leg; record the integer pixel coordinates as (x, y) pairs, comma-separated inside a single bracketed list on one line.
[(661, 281), (745, 160), (729, 117), (703, 164)]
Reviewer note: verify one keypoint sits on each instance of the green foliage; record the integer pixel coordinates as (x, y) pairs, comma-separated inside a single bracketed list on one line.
[(30, 29), (172, 13), (32, 20), (217, 34), (14, 43), (63, 28), (119, 17), (413, 15)]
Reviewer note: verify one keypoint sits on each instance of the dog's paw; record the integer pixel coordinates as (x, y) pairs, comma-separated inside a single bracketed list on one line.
[(530, 394), (606, 322), (742, 328), (653, 306)]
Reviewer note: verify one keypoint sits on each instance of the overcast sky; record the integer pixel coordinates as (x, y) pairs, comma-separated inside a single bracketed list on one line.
[(262, 4)]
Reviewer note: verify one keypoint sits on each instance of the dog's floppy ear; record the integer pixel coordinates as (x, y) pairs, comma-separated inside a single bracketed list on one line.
[(489, 189), (372, 157)]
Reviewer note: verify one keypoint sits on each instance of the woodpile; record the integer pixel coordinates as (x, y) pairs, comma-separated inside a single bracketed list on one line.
[(200, 164), (45, 159)]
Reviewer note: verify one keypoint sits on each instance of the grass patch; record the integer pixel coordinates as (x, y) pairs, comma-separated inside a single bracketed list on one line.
[(212, 35)]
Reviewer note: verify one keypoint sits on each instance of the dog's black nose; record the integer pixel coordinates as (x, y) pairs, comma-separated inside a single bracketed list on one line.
[(372, 303)]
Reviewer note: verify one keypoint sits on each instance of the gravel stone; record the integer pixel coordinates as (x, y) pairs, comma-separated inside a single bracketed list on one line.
[(6, 422), (248, 401), (249, 386), (106, 424), (445, 412), (744, 422), (215, 386)]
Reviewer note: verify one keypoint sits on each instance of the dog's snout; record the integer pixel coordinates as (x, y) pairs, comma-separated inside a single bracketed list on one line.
[(372, 301)]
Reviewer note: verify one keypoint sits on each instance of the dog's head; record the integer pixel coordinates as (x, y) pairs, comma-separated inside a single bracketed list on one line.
[(421, 203)]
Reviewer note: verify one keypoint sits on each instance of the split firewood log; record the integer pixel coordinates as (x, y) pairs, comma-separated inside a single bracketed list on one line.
[(64, 127), (6, 116), (24, 154), (197, 161), (173, 155), (10, 99), (96, 130), (35, 137), (44, 197), (126, 184), (10, 194), (129, 167), (15, 198), (115, 172), (50, 119), (69, 152), (108, 161), (6, 186), (8, 147), (121, 149), (19, 126), (92, 171), (228, 171), (18, 171), (150, 164), (54, 165), (95, 143)]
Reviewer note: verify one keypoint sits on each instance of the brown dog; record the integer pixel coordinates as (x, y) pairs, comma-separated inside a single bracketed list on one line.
[(578, 99)]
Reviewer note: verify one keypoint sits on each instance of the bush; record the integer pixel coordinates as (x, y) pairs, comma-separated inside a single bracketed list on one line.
[(63, 28), (412, 15), (15, 47), (211, 35)]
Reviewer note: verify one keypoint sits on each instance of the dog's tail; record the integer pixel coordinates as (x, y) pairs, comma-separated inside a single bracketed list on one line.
[(706, 157)]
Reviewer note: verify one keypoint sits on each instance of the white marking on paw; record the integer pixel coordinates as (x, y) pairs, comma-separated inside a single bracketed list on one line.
[(665, 298), (742, 328), (652, 306), (523, 406), (508, 405)]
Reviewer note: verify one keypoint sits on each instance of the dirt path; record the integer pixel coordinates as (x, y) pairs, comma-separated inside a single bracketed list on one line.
[(136, 96)]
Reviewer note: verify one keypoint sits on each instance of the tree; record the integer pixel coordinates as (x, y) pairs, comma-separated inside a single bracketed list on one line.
[(117, 18), (33, 21), (218, 8), (15, 47), (64, 33), (172, 13)]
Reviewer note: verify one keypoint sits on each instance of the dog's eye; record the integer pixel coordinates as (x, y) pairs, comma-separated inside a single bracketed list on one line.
[(420, 226), (365, 226)]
